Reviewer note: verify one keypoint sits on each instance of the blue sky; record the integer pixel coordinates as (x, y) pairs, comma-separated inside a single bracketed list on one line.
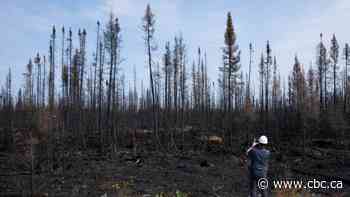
[(291, 26)]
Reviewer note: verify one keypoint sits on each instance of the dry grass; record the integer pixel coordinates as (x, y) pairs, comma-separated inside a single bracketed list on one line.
[(302, 193), (292, 193)]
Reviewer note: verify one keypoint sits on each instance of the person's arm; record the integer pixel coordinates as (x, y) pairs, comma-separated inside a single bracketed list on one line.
[(250, 148)]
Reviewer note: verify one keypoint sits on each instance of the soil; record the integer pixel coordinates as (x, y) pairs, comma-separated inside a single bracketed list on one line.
[(151, 174), (207, 171)]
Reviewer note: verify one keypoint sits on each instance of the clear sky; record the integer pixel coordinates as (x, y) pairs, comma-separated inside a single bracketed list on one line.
[(293, 27)]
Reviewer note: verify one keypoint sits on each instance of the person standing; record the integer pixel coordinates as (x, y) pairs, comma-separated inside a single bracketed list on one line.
[(259, 158)]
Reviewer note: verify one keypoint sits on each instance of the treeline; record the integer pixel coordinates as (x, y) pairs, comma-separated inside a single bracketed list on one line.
[(95, 102)]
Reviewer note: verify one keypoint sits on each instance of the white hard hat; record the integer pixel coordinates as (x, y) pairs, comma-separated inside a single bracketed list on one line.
[(262, 139)]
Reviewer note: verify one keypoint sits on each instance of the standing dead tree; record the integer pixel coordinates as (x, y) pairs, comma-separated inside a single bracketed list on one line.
[(149, 30), (52, 69), (346, 91), (334, 55), (112, 42)]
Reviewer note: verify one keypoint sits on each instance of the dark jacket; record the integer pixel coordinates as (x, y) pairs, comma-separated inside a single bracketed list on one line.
[(259, 159)]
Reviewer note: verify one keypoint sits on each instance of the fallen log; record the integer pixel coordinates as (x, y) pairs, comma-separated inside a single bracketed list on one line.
[(16, 174), (9, 194), (212, 139)]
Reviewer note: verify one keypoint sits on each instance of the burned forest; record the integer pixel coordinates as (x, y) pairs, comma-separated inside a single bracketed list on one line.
[(79, 125)]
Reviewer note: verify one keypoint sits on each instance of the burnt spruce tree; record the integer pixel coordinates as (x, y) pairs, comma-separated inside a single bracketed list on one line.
[(231, 56), (346, 91), (148, 26), (334, 55)]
